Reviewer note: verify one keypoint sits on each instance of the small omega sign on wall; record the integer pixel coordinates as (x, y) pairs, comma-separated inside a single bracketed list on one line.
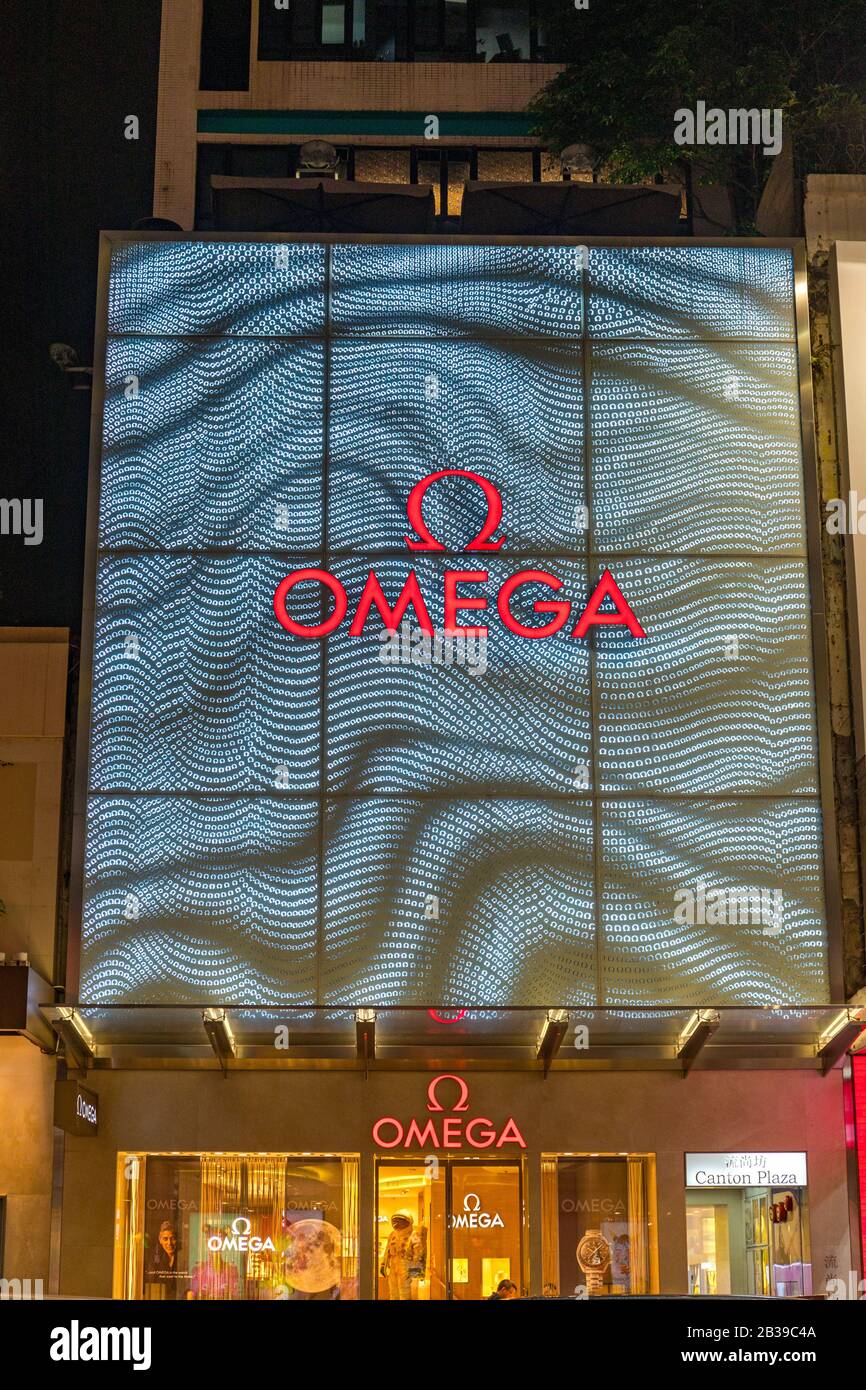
[(76, 1109)]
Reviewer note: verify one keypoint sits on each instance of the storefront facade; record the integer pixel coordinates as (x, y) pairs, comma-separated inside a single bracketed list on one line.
[(602, 1179), (456, 871)]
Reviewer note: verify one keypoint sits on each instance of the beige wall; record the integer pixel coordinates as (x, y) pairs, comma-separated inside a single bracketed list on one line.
[(26, 1148), (334, 1111), (33, 665)]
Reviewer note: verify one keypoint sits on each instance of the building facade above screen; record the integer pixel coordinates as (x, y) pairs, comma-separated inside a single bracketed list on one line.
[(487, 820)]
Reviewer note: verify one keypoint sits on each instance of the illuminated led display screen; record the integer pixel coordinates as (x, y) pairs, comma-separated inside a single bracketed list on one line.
[(357, 817)]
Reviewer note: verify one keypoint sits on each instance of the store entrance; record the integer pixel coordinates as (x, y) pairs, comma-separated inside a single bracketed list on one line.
[(754, 1241), (447, 1228)]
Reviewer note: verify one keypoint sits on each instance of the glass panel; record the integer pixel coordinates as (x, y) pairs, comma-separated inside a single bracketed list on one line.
[(721, 697), (510, 411), (728, 907), (199, 899), (333, 24), (236, 1226), (458, 714), (386, 29), (486, 1221), (756, 1215), (410, 1232), (709, 1248), (359, 27), (754, 1241), (233, 431), (696, 448), (502, 33), (172, 1230), (469, 902), (431, 290), (382, 166), (605, 1224), (505, 166), (305, 28), (790, 1267), (551, 169), (216, 287), (198, 689), (425, 30), (694, 292), (456, 29), (275, 32)]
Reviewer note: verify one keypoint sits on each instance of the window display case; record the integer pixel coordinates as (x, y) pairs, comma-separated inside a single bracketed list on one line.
[(599, 1224), (754, 1241), (236, 1226)]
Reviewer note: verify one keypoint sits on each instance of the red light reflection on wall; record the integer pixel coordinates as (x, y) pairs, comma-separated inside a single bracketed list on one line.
[(858, 1068)]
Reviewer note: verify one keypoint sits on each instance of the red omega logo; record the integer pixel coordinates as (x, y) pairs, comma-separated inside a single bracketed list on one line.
[(410, 596), (477, 1133), (483, 540), (437, 1017), (432, 1102)]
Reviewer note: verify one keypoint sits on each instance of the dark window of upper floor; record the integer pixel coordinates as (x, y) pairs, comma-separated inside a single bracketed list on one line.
[(225, 46), (388, 31)]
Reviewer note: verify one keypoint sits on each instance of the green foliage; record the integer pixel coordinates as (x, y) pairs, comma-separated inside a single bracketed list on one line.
[(631, 64)]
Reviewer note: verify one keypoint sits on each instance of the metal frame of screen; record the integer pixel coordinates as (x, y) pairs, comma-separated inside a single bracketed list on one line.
[(813, 537)]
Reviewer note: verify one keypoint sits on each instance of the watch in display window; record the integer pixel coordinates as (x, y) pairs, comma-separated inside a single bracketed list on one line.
[(593, 1256)]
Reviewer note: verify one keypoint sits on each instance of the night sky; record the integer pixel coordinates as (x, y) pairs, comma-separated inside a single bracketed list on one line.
[(72, 72)]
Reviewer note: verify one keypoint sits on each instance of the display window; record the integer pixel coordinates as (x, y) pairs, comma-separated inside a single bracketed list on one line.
[(753, 1241), (236, 1226), (599, 1224), (448, 1229)]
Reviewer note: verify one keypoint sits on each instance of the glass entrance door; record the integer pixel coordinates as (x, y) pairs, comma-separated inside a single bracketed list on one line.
[(485, 1228), (749, 1241), (447, 1229)]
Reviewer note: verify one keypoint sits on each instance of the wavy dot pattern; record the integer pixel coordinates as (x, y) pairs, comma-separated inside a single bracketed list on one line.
[(205, 900), (691, 292), (431, 290), (458, 901), (216, 288), (237, 429), (513, 411), (198, 690), (277, 820), (721, 697), (510, 716), (728, 847), (696, 448)]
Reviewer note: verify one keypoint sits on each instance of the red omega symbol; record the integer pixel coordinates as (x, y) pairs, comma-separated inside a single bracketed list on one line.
[(484, 539), (463, 1102), (437, 1017)]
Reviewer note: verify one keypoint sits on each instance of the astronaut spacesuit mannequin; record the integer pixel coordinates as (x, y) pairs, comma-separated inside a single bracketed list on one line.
[(402, 1262)]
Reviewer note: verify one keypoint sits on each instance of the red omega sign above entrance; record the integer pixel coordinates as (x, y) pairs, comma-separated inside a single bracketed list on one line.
[(410, 596), (452, 1132)]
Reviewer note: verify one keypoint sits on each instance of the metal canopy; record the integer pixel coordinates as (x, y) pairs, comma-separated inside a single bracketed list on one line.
[(596, 1039)]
